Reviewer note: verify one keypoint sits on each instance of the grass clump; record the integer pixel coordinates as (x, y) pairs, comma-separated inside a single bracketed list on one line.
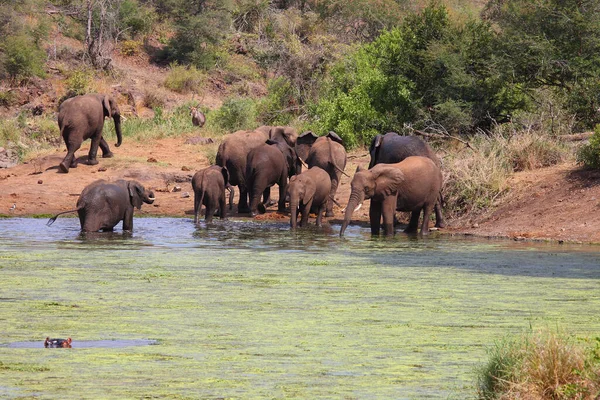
[(589, 154), (541, 365), (182, 79)]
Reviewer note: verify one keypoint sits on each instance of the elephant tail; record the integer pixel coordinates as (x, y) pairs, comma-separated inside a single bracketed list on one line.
[(51, 220), (332, 159)]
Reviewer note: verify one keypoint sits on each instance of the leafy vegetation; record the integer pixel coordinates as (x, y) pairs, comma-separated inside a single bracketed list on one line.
[(589, 154)]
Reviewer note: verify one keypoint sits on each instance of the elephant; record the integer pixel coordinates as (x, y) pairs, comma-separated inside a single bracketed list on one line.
[(411, 185), (326, 152), (268, 164), (392, 148), (233, 154), (198, 117), (209, 190), (309, 191), (81, 118), (103, 204)]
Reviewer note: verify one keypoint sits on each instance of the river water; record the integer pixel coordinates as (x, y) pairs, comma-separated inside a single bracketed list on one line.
[(243, 309)]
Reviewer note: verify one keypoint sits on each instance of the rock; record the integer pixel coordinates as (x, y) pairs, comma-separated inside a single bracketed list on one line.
[(199, 140), (184, 168), (185, 195), (101, 169), (8, 158), (475, 225), (40, 182), (177, 189), (152, 160)]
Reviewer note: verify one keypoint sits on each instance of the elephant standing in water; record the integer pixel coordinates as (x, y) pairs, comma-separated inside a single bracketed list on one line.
[(309, 190), (209, 190), (392, 148), (233, 154), (326, 152), (102, 205), (81, 118), (411, 185)]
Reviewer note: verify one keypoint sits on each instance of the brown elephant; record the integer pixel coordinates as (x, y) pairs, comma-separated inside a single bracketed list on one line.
[(102, 204), (410, 185), (233, 154), (81, 118), (309, 191), (326, 152), (269, 164), (392, 148), (209, 190)]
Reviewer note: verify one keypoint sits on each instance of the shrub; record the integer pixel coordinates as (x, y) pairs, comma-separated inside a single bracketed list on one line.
[(541, 365), (7, 98), (589, 154), (276, 108), (153, 99), (235, 113), (21, 58), (183, 79), (135, 19), (130, 47)]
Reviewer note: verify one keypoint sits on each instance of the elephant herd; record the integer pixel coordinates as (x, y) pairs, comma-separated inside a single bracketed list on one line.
[(404, 174)]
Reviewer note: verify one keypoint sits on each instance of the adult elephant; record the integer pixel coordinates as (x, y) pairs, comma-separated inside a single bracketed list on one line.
[(233, 154), (269, 164), (326, 152), (102, 204), (392, 148), (410, 185), (81, 118)]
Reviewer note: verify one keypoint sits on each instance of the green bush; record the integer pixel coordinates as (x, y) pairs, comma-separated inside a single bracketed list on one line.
[(7, 98), (184, 79), (21, 58), (278, 106), (235, 113), (135, 19), (589, 154)]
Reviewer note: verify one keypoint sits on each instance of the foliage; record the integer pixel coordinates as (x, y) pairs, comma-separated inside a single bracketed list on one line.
[(21, 58), (135, 19), (183, 79), (6, 98), (540, 365), (235, 113), (78, 83), (276, 107), (589, 154)]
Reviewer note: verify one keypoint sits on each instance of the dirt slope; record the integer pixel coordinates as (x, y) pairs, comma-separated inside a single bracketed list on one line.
[(557, 203)]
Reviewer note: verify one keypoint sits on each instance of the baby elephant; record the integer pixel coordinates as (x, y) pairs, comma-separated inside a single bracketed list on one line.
[(198, 117), (102, 205), (209, 190), (309, 191)]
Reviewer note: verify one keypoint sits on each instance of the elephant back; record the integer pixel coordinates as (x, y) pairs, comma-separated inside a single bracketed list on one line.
[(393, 148)]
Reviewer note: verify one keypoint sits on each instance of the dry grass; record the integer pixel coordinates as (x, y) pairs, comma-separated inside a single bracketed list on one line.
[(541, 366)]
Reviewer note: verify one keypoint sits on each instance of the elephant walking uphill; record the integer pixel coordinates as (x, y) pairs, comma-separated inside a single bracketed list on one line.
[(326, 152), (209, 190), (309, 191), (81, 118), (102, 205), (411, 185), (392, 148), (233, 154)]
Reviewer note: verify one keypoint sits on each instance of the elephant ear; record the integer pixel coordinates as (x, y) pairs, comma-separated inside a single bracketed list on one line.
[(334, 136), (358, 169), (106, 105), (225, 174), (136, 194), (304, 143), (389, 180), (271, 142)]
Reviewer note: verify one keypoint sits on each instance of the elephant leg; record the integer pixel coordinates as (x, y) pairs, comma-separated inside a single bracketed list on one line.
[(427, 209), (439, 219), (388, 209), (69, 161), (305, 212), (128, 220), (197, 207), (282, 191), (210, 212), (243, 202), (267, 201), (222, 206), (375, 216), (334, 185), (94, 150), (230, 189), (414, 222), (106, 153), (254, 192), (320, 213)]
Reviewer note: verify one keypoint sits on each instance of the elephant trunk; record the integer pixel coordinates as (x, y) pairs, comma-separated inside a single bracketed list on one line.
[(355, 200), (117, 119), (149, 197), (293, 211)]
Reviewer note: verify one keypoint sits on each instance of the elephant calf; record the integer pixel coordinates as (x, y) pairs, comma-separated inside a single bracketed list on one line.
[(410, 185), (309, 190), (209, 190), (102, 205)]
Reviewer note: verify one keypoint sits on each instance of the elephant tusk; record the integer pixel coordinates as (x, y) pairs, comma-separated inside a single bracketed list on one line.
[(358, 207), (151, 198)]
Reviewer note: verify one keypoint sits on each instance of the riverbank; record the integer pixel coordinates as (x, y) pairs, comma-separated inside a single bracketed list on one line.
[(559, 203)]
